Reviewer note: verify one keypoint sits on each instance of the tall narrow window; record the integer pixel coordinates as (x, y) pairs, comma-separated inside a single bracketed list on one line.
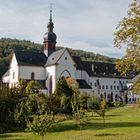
[(111, 97), (50, 85), (106, 86), (13, 75), (32, 76)]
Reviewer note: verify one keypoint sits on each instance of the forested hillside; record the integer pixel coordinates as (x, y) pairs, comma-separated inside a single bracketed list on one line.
[(8, 45)]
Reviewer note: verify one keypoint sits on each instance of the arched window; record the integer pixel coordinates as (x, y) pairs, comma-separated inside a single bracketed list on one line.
[(108, 97), (50, 85), (65, 73), (105, 95), (116, 97), (111, 97), (32, 76)]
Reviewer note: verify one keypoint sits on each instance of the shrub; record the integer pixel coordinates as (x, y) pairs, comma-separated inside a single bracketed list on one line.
[(53, 103), (7, 106), (35, 104)]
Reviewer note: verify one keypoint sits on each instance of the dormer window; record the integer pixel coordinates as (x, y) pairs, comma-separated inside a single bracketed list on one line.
[(65, 58), (32, 76)]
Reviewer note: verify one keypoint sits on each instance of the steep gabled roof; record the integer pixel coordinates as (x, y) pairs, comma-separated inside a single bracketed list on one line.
[(102, 69), (54, 57), (95, 68), (83, 84), (30, 58), (78, 62), (7, 73)]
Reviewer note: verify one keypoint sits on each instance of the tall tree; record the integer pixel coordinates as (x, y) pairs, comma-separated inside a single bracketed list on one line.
[(73, 85), (128, 34)]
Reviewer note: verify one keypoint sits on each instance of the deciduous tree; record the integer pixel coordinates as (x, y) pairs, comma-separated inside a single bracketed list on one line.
[(41, 124), (128, 34)]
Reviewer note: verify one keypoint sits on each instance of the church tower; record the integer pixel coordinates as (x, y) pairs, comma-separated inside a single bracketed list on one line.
[(49, 38)]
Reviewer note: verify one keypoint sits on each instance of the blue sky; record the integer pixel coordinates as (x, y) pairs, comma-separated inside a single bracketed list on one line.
[(80, 24)]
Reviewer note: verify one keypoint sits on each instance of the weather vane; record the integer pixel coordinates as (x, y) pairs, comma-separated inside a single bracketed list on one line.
[(50, 11)]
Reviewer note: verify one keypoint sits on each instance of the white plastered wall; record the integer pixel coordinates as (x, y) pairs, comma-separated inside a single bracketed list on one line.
[(106, 81), (66, 65), (13, 72), (25, 72)]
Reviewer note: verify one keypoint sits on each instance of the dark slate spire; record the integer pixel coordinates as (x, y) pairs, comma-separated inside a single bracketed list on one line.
[(50, 24)]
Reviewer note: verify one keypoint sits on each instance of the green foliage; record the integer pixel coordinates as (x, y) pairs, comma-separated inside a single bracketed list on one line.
[(136, 86), (128, 33), (66, 107), (7, 105), (84, 101), (21, 114), (65, 93), (94, 102), (53, 103), (62, 88), (128, 28), (41, 124), (74, 98), (34, 104), (4, 64), (4, 92), (102, 110), (22, 86), (33, 87)]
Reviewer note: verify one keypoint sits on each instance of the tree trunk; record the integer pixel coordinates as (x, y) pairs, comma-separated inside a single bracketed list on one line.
[(104, 121)]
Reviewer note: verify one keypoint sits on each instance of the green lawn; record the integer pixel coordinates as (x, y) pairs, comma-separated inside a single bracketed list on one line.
[(121, 124)]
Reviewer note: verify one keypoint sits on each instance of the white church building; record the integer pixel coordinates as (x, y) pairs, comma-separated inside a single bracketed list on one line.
[(47, 67)]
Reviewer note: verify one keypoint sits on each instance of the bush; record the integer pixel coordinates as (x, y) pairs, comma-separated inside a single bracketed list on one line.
[(7, 106), (53, 103), (34, 104)]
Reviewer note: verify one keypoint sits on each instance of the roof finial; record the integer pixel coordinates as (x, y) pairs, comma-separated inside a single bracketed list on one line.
[(51, 12)]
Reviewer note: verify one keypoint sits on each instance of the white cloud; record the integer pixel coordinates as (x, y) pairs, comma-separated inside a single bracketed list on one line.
[(87, 24)]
